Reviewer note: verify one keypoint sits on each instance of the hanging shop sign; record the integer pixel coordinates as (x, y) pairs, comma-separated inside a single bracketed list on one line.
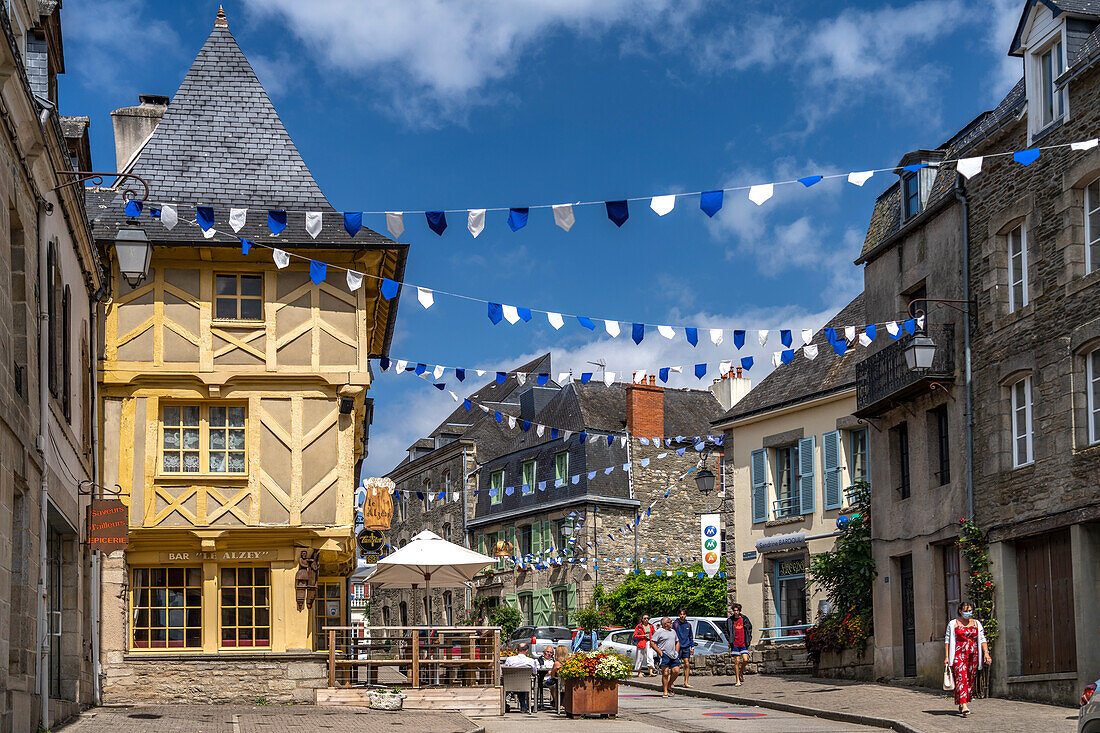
[(378, 503), (781, 542), (710, 543), (108, 525), (371, 544)]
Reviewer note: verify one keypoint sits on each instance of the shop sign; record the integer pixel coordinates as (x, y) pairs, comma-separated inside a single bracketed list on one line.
[(781, 542), (371, 544), (218, 555), (108, 525), (710, 545), (378, 503)]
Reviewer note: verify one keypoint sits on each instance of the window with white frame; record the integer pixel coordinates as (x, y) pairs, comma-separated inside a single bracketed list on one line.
[(1092, 226), (1052, 100), (528, 479), (1017, 269), (1022, 438), (1092, 384)]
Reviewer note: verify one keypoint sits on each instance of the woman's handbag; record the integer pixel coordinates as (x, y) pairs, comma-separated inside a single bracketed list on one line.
[(948, 678)]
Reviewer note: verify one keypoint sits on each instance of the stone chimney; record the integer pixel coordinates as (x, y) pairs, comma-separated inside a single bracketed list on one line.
[(645, 409), (731, 388), (133, 125)]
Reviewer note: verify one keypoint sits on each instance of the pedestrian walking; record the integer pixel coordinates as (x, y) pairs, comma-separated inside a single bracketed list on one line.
[(965, 634), (686, 637), (643, 634), (739, 635), (667, 644)]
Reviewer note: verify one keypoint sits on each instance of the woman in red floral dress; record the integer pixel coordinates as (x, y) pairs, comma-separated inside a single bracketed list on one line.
[(965, 635)]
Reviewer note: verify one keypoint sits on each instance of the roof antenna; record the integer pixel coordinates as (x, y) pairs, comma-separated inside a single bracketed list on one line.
[(221, 21), (601, 364)]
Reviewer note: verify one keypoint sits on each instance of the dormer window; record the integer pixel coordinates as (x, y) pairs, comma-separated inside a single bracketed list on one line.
[(910, 186), (1051, 99)]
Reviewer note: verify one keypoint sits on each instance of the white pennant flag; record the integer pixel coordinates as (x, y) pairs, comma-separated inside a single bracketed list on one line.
[(622, 441), (892, 327), (539, 430), (555, 320), (1085, 145), (313, 223), (661, 205), (612, 328), (920, 322), (400, 367), (475, 221), (677, 369), (168, 216), (810, 350), (724, 367), (282, 259), (209, 233), (521, 378), (775, 359), (864, 340), (355, 280), (760, 193), (566, 434), (512, 422), (859, 178), (716, 336), (762, 337), (563, 377), (849, 333), (511, 313), (666, 331), (609, 378), (639, 376), (563, 216), (453, 395), (807, 335), (395, 223), (236, 218), (480, 372), (425, 297), (438, 371), (484, 409), (969, 167)]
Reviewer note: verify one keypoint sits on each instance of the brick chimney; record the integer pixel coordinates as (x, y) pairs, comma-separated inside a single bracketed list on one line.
[(645, 409), (134, 125)]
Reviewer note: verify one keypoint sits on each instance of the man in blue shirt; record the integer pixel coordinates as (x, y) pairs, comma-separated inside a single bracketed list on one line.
[(686, 637), (585, 640)]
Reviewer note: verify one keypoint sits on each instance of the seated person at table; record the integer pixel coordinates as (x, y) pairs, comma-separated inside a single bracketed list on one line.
[(521, 660)]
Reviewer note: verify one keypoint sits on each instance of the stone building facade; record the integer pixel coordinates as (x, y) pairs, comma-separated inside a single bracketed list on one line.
[(50, 277), (234, 406)]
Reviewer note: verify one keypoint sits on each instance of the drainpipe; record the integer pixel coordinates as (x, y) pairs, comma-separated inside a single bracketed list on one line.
[(97, 560), (960, 196), (44, 490), (465, 529)]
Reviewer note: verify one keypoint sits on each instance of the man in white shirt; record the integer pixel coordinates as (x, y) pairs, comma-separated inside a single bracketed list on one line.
[(520, 659)]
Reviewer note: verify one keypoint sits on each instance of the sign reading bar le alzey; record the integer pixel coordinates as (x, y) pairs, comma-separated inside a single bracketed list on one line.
[(108, 525)]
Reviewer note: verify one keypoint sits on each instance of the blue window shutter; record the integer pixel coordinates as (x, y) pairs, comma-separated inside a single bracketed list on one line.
[(830, 450), (759, 469), (806, 463)]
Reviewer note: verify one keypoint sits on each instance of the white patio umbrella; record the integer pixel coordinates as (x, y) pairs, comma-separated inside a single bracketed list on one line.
[(426, 561)]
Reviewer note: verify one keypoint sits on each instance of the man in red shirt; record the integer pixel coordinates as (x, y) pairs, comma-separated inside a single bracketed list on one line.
[(739, 635), (643, 633)]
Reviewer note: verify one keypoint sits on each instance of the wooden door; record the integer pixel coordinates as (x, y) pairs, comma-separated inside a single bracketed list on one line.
[(1044, 573)]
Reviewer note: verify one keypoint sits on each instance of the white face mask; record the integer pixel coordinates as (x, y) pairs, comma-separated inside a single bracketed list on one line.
[(967, 614)]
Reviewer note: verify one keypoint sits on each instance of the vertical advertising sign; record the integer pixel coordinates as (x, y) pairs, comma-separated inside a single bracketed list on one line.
[(710, 535)]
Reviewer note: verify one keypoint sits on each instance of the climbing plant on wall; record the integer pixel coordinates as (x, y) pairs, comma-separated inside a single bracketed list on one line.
[(980, 586)]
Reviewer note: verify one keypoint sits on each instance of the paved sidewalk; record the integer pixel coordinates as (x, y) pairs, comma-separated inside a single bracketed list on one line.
[(904, 709), (265, 719)]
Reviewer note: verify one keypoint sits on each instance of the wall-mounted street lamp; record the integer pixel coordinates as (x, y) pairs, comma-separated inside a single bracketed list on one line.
[(134, 251), (919, 352), (704, 481)]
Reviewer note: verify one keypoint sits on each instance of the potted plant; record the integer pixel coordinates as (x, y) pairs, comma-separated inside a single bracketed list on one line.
[(387, 699), (590, 682)]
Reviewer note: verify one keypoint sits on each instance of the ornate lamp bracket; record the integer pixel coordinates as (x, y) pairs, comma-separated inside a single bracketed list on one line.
[(96, 177)]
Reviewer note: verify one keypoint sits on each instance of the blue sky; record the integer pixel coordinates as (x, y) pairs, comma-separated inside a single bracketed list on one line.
[(417, 105)]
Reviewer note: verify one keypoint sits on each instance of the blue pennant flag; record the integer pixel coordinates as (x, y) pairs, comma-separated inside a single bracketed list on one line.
[(317, 271), (154, 212), (517, 218), (830, 334), (637, 332), (586, 322), (710, 202), (460, 375), (525, 425), (389, 288), (610, 439), (808, 181), (586, 377), (496, 313), (542, 379), (1026, 157), (437, 221), (692, 335), (787, 356), (746, 362), (680, 451), (498, 416), (617, 211), (700, 370), (914, 167), (353, 222), (910, 326), (524, 314), (133, 208), (467, 404), (204, 216), (501, 376), (542, 486), (246, 244), (276, 221), (421, 368), (440, 386), (663, 372), (553, 433), (420, 495), (509, 490), (870, 330), (738, 339), (785, 337), (384, 363)]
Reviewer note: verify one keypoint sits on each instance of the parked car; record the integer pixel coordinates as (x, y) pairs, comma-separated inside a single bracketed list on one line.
[(1088, 721), (621, 641), (544, 636), (710, 636)]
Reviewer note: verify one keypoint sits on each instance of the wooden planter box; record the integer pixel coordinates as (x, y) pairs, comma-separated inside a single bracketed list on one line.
[(590, 696)]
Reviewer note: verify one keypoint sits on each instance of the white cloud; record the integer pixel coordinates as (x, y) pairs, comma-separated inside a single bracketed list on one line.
[(1003, 17), (111, 38)]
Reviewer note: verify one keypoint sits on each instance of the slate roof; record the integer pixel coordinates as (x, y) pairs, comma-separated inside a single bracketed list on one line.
[(803, 379), (221, 144), (1057, 7)]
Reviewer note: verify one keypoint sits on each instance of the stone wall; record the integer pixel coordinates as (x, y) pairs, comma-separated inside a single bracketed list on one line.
[(216, 679), (848, 664), (787, 658)]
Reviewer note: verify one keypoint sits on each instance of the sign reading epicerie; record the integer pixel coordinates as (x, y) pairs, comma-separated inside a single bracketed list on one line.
[(108, 525)]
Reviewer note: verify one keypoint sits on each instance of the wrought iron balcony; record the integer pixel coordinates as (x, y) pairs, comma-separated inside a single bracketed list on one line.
[(883, 378)]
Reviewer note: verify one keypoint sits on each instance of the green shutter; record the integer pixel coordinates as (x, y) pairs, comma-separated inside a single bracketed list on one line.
[(571, 601), (514, 540), (481, 543), (542, 607), (511, 600), (830, 449), (536, 538), (548, 540), (759, 469), (807, 462)]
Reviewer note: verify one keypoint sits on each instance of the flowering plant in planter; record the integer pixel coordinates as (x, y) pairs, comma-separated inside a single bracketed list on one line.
[(600, 664)]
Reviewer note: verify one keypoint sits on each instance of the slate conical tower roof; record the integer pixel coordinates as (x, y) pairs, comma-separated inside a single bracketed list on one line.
[(221, 144)]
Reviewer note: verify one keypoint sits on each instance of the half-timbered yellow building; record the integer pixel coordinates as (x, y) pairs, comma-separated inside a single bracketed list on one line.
[(233, 396)]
